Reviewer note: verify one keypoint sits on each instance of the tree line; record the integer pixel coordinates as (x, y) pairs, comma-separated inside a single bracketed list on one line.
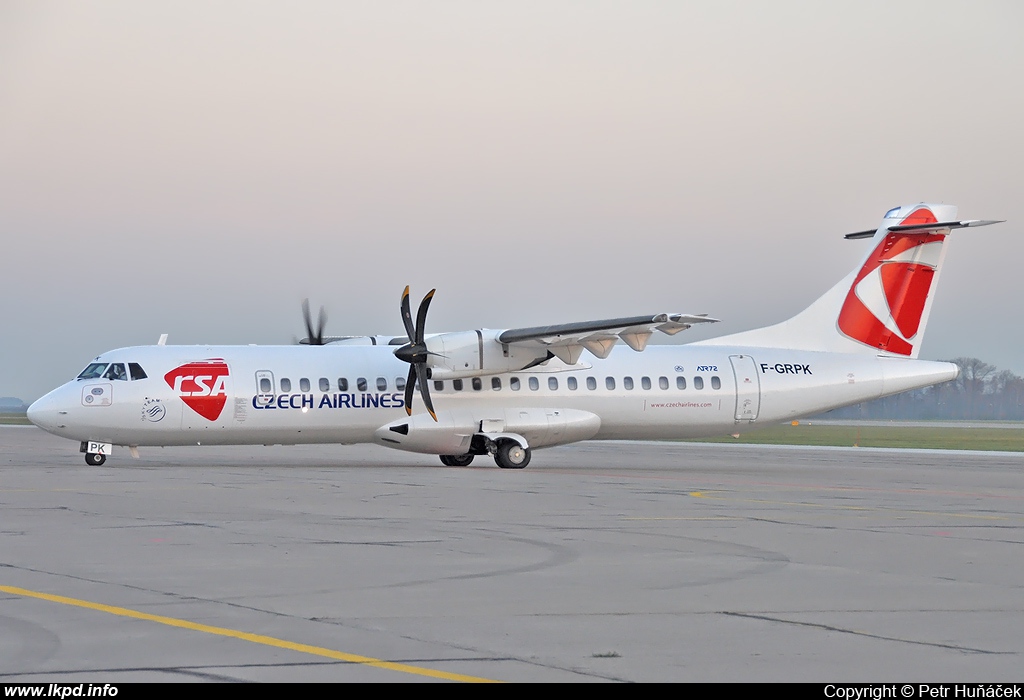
[(981, 392)]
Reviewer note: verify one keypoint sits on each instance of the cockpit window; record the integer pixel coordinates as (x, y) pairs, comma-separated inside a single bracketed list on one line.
[(93, 371), (116, 372), (893, 213), (136, 370)]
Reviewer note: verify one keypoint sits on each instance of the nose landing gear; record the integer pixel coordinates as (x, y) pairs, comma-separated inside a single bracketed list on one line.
[(95, 460)]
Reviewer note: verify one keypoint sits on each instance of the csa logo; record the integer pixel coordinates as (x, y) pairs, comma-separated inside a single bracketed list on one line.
[(202, 386), (884, 306)]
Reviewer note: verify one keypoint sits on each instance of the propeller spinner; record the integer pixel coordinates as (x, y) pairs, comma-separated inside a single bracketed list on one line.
[(415, 352)]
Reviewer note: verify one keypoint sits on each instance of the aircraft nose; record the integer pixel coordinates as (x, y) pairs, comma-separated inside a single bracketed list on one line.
[(44, 412)]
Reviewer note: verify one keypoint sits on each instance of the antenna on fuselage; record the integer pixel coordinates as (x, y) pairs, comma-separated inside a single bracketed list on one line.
[(163, 339)]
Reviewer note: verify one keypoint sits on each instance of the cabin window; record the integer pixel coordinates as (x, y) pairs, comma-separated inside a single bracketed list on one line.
[(400, 383), (553, 383), (645, 382), (716, 383), (286, 385), (304, 385), (93, 371), (663, 382), (680, 382), (265, 387), (116, 373), (513, 383), (627, 383), (438, 385), (382, 384), (496, 383), (591, 383), (325, 384), (457, 384), (361, 384), (136, 371), (477, 384), (609, 383), (698, 383), (342, 384), (534, 384), (571, 383)]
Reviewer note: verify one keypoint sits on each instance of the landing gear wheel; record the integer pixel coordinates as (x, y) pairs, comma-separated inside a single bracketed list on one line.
[(511, 455), (456, 460), (95, 460)]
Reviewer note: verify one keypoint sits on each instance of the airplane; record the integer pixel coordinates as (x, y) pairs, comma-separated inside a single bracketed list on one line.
[(508, 392)]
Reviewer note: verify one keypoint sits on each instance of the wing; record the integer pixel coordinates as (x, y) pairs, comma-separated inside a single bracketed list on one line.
[(568, 340)]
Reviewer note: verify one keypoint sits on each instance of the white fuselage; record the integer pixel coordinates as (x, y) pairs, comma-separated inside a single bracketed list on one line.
[(346, 394)]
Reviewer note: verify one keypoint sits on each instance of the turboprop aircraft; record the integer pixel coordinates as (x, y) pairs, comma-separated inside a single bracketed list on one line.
[(508, 392)]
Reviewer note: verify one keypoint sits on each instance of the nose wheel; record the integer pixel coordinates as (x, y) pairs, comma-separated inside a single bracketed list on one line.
[(512, 455), (95, 460)]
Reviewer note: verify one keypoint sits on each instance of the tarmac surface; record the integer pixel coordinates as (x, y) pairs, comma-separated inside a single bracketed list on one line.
[(599, 562)]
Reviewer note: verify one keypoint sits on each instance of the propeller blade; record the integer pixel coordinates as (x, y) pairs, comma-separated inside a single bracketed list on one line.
[(421, 316), (322, 325), (309, 322), (421, 374), (407, 315), (410, 384)]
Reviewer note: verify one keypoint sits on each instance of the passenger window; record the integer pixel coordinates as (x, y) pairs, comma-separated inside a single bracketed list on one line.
[(477, 384), (304, 385), (716, 383), (438, 385), (116, 372), (264, 385), (93, 371), (496, 383), (571, 383), (342, 384), (457, 384), (627, 383), (553, 383), (680, 382), (136, 370), (361, 384), (645, 382), (286, 385), (400, 383), (382, 384), (325, 384), (609, 383), (534, 384), (698, 383), (591, 383), (663, 382), (513, 383)]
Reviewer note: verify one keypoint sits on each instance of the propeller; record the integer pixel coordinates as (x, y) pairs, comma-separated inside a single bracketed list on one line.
[(314, 337), (415, 352)]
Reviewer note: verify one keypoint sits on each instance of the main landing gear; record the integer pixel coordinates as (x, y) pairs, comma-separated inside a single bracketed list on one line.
[(508, 454), (511, 455)]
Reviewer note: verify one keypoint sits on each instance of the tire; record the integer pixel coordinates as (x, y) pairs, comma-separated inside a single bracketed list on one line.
[(511, 455), (456, 460), (95, 460)]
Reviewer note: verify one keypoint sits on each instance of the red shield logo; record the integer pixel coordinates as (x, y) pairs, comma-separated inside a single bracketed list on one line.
[(884, 306), (202, 386)]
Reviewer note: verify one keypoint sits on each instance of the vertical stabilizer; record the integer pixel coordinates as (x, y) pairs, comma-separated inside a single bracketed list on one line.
[(882, 306)]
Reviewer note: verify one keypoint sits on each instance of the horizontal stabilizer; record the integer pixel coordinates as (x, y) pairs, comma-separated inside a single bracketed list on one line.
[(924, 228)]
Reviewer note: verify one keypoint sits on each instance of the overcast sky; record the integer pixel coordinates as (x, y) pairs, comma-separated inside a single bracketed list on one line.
[(198, 168)]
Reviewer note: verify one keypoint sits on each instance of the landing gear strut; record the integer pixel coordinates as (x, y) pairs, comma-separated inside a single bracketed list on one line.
[(456, 460), (511, 455), (95, 460)]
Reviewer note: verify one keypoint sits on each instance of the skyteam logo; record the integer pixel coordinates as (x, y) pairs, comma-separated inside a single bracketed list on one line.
[(202, 386), (886, 302)]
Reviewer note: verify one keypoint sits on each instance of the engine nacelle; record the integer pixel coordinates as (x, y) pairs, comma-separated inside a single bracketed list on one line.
[(477, 353)]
